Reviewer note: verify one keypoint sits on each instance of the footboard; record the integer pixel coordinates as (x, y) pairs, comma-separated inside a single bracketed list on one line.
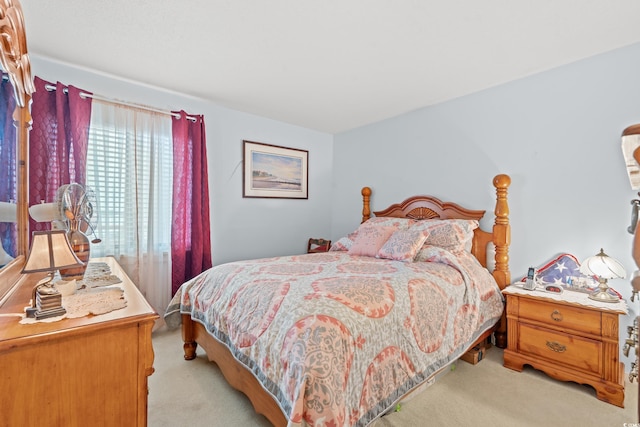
[(238, 377)]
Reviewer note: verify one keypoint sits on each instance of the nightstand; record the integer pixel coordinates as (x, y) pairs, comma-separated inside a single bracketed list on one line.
[(318, 245), (567, 336)]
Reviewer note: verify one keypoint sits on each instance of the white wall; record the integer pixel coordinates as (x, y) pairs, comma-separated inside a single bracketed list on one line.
[(242, 228), (557, 134)]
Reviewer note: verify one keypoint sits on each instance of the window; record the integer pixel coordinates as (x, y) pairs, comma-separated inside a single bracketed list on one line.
[(129, 166)]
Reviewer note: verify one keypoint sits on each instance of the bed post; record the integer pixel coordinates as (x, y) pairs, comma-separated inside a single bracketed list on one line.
[(188, 337), (502, 240), (366, 209)]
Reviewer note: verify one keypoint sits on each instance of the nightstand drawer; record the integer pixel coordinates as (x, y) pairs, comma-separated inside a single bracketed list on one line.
[(561, 316), (580, 353)]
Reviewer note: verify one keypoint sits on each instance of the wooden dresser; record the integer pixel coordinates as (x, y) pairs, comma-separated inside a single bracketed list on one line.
[(76, 372), (568, 340)]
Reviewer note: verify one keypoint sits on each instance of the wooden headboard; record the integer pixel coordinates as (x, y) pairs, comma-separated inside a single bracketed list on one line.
[(427, 207)]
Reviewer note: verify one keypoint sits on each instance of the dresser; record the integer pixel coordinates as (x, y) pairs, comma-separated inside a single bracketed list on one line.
[(89, 370), (567, 336)]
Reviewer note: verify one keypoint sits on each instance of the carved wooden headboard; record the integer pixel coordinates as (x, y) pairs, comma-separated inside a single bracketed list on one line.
[(428, 207)]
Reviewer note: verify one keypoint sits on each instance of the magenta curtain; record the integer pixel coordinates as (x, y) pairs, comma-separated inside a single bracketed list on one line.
[(58, 141), (8, 158), (190, 231)]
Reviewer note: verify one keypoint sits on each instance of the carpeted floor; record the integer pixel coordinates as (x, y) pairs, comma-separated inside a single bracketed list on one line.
[(194, 393)]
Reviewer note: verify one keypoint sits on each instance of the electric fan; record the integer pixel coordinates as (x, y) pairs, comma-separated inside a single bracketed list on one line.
[(77, 205)]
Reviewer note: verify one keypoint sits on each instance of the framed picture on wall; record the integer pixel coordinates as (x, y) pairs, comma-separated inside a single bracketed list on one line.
[(275, 172)]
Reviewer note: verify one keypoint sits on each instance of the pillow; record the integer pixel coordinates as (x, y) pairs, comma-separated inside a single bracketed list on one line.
[(403, 245), (389, 221), (450, 234), (345, 243), (370, 239)]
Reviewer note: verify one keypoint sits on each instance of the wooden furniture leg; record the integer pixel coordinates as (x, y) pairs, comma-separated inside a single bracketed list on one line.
[(190, 345)]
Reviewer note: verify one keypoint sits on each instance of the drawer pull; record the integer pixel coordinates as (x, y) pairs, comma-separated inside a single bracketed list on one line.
[(556, 315), (556, 346)]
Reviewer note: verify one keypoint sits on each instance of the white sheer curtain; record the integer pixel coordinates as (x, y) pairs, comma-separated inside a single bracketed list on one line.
[(129, 166)]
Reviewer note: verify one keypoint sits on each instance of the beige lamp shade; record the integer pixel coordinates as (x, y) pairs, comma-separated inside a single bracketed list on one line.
[(50, 251), (8, 212)]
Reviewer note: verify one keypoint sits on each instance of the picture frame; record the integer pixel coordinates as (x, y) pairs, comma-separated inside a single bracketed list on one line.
[(272, 171)]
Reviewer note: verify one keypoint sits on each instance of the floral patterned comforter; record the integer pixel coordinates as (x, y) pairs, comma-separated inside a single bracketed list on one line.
[(338, 339)]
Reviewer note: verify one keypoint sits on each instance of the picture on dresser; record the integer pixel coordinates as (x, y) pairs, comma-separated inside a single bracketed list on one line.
[(274, 172)]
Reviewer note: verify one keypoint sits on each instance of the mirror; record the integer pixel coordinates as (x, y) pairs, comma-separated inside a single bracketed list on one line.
[(14, 60)]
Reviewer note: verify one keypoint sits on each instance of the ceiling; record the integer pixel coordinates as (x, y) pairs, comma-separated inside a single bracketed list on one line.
[(327, 65)]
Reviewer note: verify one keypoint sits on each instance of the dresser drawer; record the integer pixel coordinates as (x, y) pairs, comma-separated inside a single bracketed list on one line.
[(570, 350), (561, 316)]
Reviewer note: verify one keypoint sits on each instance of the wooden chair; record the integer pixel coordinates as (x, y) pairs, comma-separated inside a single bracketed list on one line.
[(318, 245)]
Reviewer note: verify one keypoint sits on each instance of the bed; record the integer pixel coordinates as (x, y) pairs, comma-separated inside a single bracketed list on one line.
[(338, 338)]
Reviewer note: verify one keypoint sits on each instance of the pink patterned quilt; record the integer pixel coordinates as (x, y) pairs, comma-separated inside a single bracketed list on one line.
[(338, 339)]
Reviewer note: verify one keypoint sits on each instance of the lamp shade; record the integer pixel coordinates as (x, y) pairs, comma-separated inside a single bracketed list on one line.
[(603, 266), (44, 212), (8, 212), (50, 251)]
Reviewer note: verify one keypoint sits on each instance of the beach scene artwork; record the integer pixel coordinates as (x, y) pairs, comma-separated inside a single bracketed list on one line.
[(274, 171)]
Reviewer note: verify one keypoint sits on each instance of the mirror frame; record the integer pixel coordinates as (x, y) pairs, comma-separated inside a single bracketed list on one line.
[(14, 60)]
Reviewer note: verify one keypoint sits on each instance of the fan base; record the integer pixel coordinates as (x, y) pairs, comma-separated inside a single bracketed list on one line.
[(80, 244)]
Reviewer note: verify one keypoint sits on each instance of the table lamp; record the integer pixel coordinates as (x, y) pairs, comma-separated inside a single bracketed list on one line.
[(50, 251), (603, 267), (7, 214)]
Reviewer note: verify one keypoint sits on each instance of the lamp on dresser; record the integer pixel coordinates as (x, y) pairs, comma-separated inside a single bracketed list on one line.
[(8, 215), (50, 251), (603, 267)]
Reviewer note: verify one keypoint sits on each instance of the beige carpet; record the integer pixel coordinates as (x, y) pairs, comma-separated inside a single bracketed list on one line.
[(194, 393)]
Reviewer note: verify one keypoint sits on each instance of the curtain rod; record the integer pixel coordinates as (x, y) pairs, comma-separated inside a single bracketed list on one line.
[(51, 87)]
